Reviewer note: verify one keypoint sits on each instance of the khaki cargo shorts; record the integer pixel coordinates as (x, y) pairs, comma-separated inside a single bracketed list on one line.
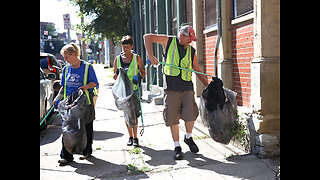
[(179, 105)]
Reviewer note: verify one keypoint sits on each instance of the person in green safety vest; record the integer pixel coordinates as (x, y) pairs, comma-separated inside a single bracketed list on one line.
[(78, 74), (134, 67), (178, 87)]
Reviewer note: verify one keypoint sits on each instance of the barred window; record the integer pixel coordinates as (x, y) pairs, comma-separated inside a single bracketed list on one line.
[(210, 13), (174, 18), (242, 7)]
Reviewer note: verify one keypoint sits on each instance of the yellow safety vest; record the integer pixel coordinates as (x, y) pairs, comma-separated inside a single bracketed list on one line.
[(85, 78), (133, 69), (173, 58)]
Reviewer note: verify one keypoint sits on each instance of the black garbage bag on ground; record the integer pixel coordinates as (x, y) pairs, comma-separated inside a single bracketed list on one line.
[(125, 98), (218, 108), (72, 110)]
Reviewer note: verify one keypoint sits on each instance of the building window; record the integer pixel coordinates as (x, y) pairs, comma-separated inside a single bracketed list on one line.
[(242, 7), (188, 11), (210, 13), (174, 18)]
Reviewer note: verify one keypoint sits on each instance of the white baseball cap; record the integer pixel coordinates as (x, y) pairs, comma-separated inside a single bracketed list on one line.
[(188, 31)]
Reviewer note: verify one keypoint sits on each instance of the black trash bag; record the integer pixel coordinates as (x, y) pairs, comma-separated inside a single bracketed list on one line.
[(72, 111), (218, 110), (125, 99)]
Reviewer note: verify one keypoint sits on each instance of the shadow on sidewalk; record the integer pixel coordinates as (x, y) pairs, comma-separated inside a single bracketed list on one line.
[(99, 168), (165, 157), (104, 135), (159, 157), (240, 166)]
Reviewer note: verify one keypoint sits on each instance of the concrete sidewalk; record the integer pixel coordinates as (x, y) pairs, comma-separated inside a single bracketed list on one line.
[(113, 159)]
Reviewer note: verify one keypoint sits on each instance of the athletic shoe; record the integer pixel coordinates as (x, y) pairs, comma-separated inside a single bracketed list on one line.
[(193, 147), (177, 153), (84, 157), (130, 142), (63, 162), (135, 142)]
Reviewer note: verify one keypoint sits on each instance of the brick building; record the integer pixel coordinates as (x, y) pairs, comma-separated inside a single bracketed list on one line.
[(248, 57)]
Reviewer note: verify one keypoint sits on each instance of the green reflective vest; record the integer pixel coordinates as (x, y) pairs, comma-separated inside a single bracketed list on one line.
[(85, 78), (133, 69), (173, 58)]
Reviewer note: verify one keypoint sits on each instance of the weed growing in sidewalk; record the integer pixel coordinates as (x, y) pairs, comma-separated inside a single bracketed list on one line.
[(240, 132), (135, 150), (133, 169)]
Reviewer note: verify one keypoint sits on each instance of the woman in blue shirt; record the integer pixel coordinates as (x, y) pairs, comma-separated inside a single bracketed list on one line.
[(72, 77)]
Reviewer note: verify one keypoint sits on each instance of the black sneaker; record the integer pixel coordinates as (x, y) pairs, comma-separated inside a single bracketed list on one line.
[(193, 147), (85, 157), (177, 153), (135, 142), (130, 142), (63, 162)]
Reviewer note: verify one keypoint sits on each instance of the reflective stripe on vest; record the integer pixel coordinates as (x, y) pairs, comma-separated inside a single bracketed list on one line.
[(133, 69), (173, 59)]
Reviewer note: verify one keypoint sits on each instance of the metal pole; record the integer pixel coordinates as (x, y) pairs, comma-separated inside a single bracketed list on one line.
[(218, 11)]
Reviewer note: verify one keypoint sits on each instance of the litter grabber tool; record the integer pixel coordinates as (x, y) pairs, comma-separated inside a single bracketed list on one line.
[(47, 115), (154, 75), (142, 130), (148, 62)]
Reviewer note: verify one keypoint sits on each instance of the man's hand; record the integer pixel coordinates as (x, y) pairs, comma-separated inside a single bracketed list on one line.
[(154, 38), (152, 61)]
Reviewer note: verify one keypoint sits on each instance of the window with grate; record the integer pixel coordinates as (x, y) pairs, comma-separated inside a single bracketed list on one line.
[(210, 13), (242, 7)]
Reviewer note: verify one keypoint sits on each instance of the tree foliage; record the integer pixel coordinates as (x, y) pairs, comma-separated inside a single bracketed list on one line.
[(112, 18)]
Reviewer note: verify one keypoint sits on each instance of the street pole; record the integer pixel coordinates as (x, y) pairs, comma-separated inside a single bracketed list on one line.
[(69, 39), (83, 43)]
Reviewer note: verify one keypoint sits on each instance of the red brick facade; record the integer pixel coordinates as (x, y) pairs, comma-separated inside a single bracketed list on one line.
[(242, 55), (209, 46)]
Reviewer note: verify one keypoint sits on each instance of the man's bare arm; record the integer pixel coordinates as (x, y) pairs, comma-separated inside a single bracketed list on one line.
[(154, 38)]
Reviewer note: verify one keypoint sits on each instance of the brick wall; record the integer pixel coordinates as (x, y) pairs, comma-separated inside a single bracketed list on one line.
[(209, 46), (242, 55)]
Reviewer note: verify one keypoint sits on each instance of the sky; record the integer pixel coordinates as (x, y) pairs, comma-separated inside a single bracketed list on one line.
[(53, 10)]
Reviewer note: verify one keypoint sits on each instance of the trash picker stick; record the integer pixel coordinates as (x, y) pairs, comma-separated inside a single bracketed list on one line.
[(142, 130), (185, 69), (47, 114)]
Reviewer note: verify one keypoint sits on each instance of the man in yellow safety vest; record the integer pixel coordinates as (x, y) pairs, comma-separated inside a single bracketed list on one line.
[(178, 86)]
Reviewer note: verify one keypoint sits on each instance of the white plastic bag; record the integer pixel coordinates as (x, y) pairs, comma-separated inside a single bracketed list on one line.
[(125, 98)]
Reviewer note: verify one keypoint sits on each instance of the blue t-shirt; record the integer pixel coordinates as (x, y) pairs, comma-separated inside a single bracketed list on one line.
[(75, 78)]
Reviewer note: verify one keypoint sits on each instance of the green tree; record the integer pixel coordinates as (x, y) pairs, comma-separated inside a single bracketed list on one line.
[(50, 28), (112, 18)]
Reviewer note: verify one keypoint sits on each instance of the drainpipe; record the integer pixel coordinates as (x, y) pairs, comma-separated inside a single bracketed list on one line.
[(218, 11)]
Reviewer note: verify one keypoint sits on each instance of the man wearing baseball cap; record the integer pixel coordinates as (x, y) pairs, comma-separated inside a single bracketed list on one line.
[(178, 86)]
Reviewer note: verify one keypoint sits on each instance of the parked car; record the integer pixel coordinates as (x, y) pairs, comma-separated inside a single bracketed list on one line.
[(62, 64), (50, 64), (46, 93)]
